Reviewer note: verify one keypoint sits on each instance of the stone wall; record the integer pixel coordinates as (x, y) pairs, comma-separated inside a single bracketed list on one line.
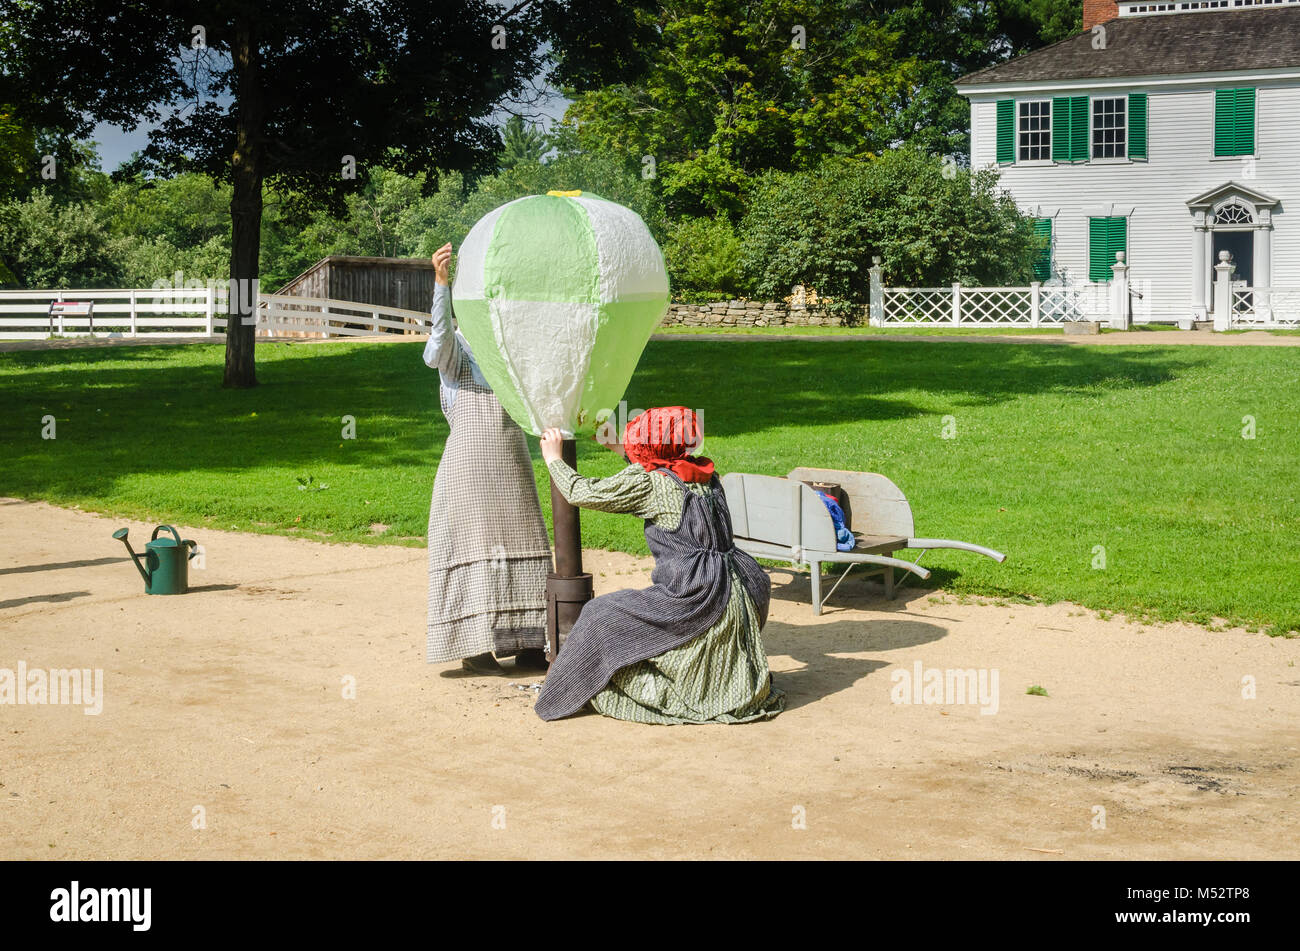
[(748, 313)]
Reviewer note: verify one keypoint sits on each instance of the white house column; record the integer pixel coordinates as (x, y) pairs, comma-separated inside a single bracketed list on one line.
[(1263, 276), (1200, 259)]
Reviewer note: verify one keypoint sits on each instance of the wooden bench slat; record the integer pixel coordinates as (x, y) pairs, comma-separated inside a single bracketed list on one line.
[(878, 544)]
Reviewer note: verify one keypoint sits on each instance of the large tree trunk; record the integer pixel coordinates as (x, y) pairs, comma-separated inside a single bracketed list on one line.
[(245, 210)]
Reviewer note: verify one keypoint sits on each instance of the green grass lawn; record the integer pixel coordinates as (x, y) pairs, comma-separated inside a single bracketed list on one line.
[(921, 330), (1057, 450)]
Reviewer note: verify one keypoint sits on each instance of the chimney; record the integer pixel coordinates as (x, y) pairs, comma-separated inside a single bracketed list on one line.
[(1098, 11)]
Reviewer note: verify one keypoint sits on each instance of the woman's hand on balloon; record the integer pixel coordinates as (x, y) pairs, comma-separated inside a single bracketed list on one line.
[(442, 264), (552, 442)]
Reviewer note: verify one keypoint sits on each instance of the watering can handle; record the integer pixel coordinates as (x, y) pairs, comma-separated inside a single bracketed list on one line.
[(175, 533)]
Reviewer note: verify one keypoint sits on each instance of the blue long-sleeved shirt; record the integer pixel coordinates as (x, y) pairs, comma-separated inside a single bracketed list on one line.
[(442, 352)]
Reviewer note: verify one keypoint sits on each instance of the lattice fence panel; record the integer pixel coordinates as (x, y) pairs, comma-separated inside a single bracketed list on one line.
[(918, 305), (996, 305), (1266, 306), (1057, 305)]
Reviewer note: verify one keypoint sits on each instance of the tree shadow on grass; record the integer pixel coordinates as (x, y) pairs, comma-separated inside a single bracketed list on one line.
[(161, 410), (745, 387), (137, 411)]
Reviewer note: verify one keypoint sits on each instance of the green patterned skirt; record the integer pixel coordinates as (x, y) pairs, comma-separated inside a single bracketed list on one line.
[(719, 677)]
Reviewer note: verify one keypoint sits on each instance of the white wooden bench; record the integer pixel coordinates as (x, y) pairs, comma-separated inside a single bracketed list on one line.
[(72, 308), (785, 520)]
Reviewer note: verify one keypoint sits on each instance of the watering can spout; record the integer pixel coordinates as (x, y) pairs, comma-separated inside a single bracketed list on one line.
[(120, 535)]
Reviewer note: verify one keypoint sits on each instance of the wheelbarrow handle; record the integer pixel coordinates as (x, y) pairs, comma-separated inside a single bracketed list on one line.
[(960, 546)]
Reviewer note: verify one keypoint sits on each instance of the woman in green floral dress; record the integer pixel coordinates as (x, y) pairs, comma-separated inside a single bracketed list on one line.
[(689, 648)]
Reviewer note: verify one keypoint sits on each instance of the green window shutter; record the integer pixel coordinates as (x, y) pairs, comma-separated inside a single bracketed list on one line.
[(1006, 130), (1061, 129), (1225, 121), (1043, 260), (1105, 237), (1137, 125), (1098, 242), (1071, 129), (1234, 121), (1080, 129), (1118, 241), (1244, 136)]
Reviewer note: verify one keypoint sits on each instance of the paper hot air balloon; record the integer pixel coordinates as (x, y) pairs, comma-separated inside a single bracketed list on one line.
[(557, 295)]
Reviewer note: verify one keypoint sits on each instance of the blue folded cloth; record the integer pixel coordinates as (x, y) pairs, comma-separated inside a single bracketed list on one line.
[(843, 537)]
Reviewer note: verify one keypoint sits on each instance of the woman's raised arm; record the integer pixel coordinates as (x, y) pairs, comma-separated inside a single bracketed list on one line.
[(442, 352)]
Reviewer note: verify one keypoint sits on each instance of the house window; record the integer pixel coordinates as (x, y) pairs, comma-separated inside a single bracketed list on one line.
[(1109, 124), (1234, 213), (1034, 131), (1105, 237)]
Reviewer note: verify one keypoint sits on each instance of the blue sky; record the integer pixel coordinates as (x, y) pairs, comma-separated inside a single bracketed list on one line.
[(116, 146)]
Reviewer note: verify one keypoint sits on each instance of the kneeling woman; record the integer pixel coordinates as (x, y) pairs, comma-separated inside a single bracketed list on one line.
[(688, 648)]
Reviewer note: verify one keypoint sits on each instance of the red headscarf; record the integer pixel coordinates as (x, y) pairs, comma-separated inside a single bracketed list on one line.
[(661, 438)]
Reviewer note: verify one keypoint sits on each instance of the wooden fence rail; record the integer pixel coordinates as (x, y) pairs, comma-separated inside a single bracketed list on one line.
[(195, 312)]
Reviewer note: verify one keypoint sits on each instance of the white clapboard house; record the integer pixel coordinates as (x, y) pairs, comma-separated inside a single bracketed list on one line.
[(1169, 131)]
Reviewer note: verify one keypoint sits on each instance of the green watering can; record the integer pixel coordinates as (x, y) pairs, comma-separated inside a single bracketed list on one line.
[(166, 568)]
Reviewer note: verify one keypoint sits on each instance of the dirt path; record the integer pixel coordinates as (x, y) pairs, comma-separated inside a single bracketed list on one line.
[(229, 700)]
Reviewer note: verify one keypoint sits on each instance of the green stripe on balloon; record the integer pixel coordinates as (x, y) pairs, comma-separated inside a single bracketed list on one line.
[(624, 326), (569, 270)]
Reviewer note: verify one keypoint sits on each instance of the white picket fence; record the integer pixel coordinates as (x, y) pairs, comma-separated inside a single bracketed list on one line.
[(1036, 305), (958, 306), (1265, 308), (279, 314), (194, 312)]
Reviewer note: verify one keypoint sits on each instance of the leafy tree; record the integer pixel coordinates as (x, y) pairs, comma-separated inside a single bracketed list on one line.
[(145, 262), (251, 94), (951, 38), (188, 209), (372, 221), (522, 143), (733, 87), (449, 215), (391, 216), (717, 90), (931, 222), (17, 151), (703, 258), (17, 143), (44, 244)]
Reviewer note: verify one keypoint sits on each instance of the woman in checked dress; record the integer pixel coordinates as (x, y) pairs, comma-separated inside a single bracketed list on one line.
[(488, 548), (688, 649)]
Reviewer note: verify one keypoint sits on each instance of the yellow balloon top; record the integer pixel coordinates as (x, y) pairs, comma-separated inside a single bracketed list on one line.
[(572, 194)]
